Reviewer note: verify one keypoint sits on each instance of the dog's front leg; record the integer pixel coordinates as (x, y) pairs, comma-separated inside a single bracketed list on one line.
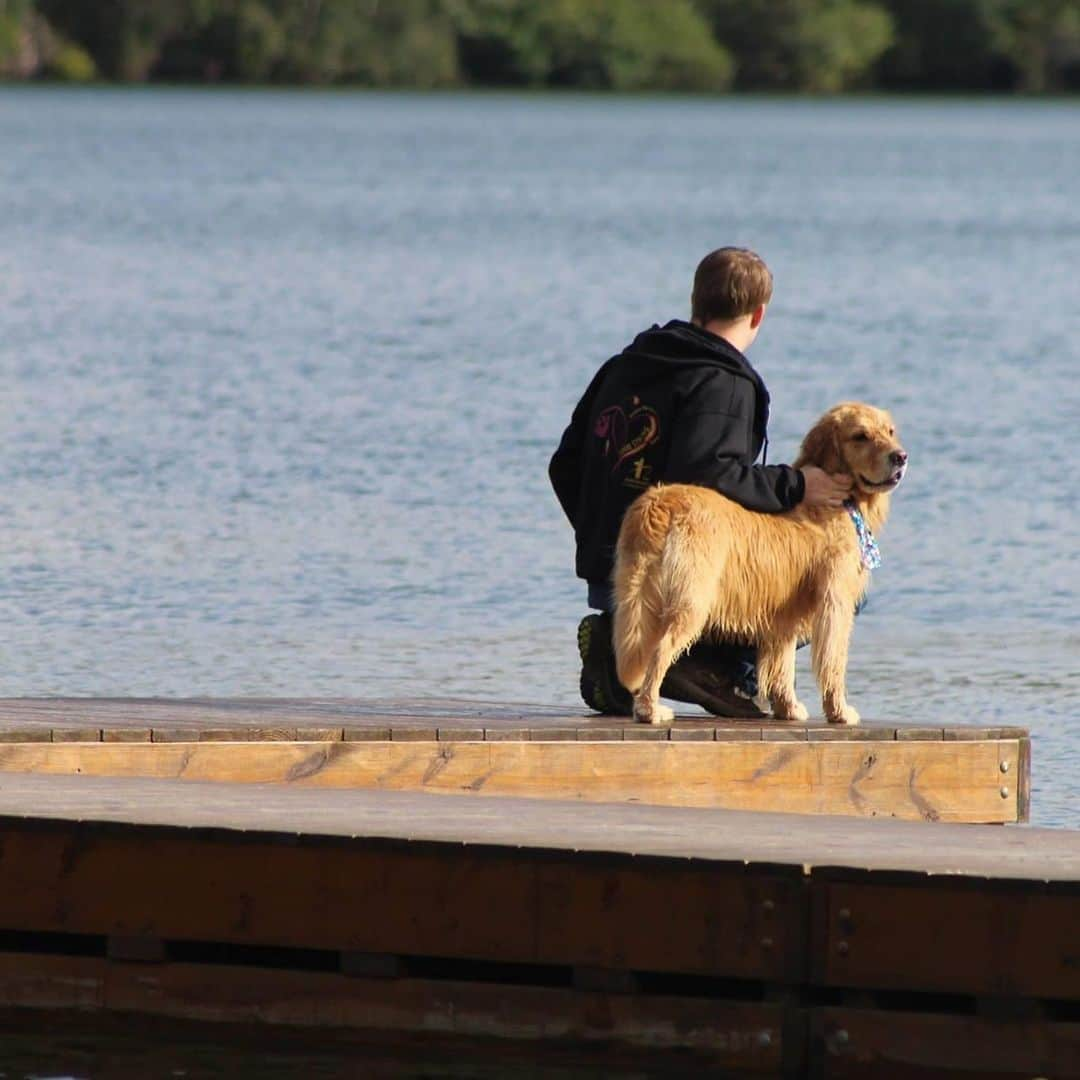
[(776, 678), (832, 632)]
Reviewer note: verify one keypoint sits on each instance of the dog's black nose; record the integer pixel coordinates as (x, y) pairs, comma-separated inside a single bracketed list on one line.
[(898, 457)]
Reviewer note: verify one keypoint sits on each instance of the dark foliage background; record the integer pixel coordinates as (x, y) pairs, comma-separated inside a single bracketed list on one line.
[(815, 46)]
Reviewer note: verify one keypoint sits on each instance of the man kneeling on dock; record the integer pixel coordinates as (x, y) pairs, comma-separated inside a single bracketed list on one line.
[(680, 404)]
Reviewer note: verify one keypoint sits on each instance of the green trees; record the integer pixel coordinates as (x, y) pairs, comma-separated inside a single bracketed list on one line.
[(811, 46), (30, 46), (1040, 39), (1027, 45), (622, 45)]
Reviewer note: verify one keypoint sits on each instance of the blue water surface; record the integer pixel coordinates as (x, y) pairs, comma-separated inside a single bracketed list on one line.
[(281, 373)]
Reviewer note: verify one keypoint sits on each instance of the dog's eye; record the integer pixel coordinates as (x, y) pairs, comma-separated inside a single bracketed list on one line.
[(860, 436), (892, 432)]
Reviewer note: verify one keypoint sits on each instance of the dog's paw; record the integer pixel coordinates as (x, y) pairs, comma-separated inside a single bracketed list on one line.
[(657, 714), (796, 711), (847, 715)]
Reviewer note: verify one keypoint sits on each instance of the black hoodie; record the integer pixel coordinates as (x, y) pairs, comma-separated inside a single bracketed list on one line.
[(678, 405)]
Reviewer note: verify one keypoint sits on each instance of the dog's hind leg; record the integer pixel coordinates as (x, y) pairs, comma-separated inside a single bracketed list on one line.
[(676, 636), (636, 629), (647, 707), (776, 678), (832, 632)]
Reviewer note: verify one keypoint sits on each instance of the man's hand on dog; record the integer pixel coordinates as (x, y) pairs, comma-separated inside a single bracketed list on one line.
[(825, 490)]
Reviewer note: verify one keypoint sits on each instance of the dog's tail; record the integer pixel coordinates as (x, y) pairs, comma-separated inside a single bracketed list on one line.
[(639, 555)]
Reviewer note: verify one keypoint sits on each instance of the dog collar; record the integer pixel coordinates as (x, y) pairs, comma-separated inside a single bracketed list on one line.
[(869, 553)]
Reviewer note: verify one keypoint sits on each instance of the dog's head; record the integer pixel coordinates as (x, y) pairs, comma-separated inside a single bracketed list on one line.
[(858, 440)]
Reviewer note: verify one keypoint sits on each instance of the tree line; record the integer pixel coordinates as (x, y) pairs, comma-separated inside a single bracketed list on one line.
[(800, 46)]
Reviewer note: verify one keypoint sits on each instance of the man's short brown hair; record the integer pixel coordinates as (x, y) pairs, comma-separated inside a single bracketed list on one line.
[(729, 283)]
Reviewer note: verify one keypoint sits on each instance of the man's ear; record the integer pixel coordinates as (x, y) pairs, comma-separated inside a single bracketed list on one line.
[(821, 447), (756, 316)]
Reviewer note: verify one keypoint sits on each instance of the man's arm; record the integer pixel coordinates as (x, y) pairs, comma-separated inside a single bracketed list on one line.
[(711, 440), (565, 467), (707, 455), (710, 445)]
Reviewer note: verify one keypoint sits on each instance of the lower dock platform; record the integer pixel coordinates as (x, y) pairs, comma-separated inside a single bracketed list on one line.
[(746, 943)]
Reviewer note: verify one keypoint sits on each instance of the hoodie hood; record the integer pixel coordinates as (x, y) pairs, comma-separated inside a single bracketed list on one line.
[(684, 344)]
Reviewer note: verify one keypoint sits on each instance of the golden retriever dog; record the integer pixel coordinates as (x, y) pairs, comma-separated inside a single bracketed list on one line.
[(690, 561)]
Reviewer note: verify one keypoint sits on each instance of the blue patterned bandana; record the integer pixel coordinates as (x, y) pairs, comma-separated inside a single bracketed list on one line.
[(869, 555)]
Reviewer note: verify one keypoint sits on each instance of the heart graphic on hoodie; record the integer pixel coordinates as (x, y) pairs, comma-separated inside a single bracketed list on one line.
[(627, 435)]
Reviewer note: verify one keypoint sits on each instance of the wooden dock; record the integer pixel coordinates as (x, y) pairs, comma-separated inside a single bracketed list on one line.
[(916, 771), (757, 944), (500, 876)]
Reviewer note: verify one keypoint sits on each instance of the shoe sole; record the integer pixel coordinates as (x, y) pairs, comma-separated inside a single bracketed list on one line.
[(584, 637), (591, 693)]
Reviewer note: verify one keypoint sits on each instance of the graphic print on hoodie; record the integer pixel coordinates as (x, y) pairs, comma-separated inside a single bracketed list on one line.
[(678, 405)]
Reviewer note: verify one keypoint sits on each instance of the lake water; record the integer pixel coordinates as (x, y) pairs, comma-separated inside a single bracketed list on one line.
[(281, 373)]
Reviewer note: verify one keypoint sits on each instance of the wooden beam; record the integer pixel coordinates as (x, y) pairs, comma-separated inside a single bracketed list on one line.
[(973, 938), (965, 781), (708, 1033), (853, 1044), (469, 904)]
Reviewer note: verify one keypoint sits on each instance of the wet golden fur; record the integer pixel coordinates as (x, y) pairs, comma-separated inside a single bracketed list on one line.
[(690, 561)]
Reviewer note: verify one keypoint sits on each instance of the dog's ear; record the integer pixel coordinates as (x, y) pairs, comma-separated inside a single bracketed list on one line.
[(821, 447)]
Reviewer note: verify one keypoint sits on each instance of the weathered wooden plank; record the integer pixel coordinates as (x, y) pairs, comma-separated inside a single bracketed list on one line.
[(601, 734), (993, 940), (566, 733), (76, 734), (247, 734), (693, 734), (958, 781), (315, 733), (865, 1043), (127, 734), (955, 731), (26, 733), (37, 981), (335, 714), (709, 1033), (745, 926), (461, 734), (414, 734), (739, 733), (845, 733), (497, 906), (1023, 781), (646, 733), (911, 733), (355, 733), (784, 733), (873, 845), (174, 734)]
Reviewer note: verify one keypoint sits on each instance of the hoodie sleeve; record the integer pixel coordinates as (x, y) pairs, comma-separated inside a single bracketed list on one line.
[(566, 463), (710, 444)]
